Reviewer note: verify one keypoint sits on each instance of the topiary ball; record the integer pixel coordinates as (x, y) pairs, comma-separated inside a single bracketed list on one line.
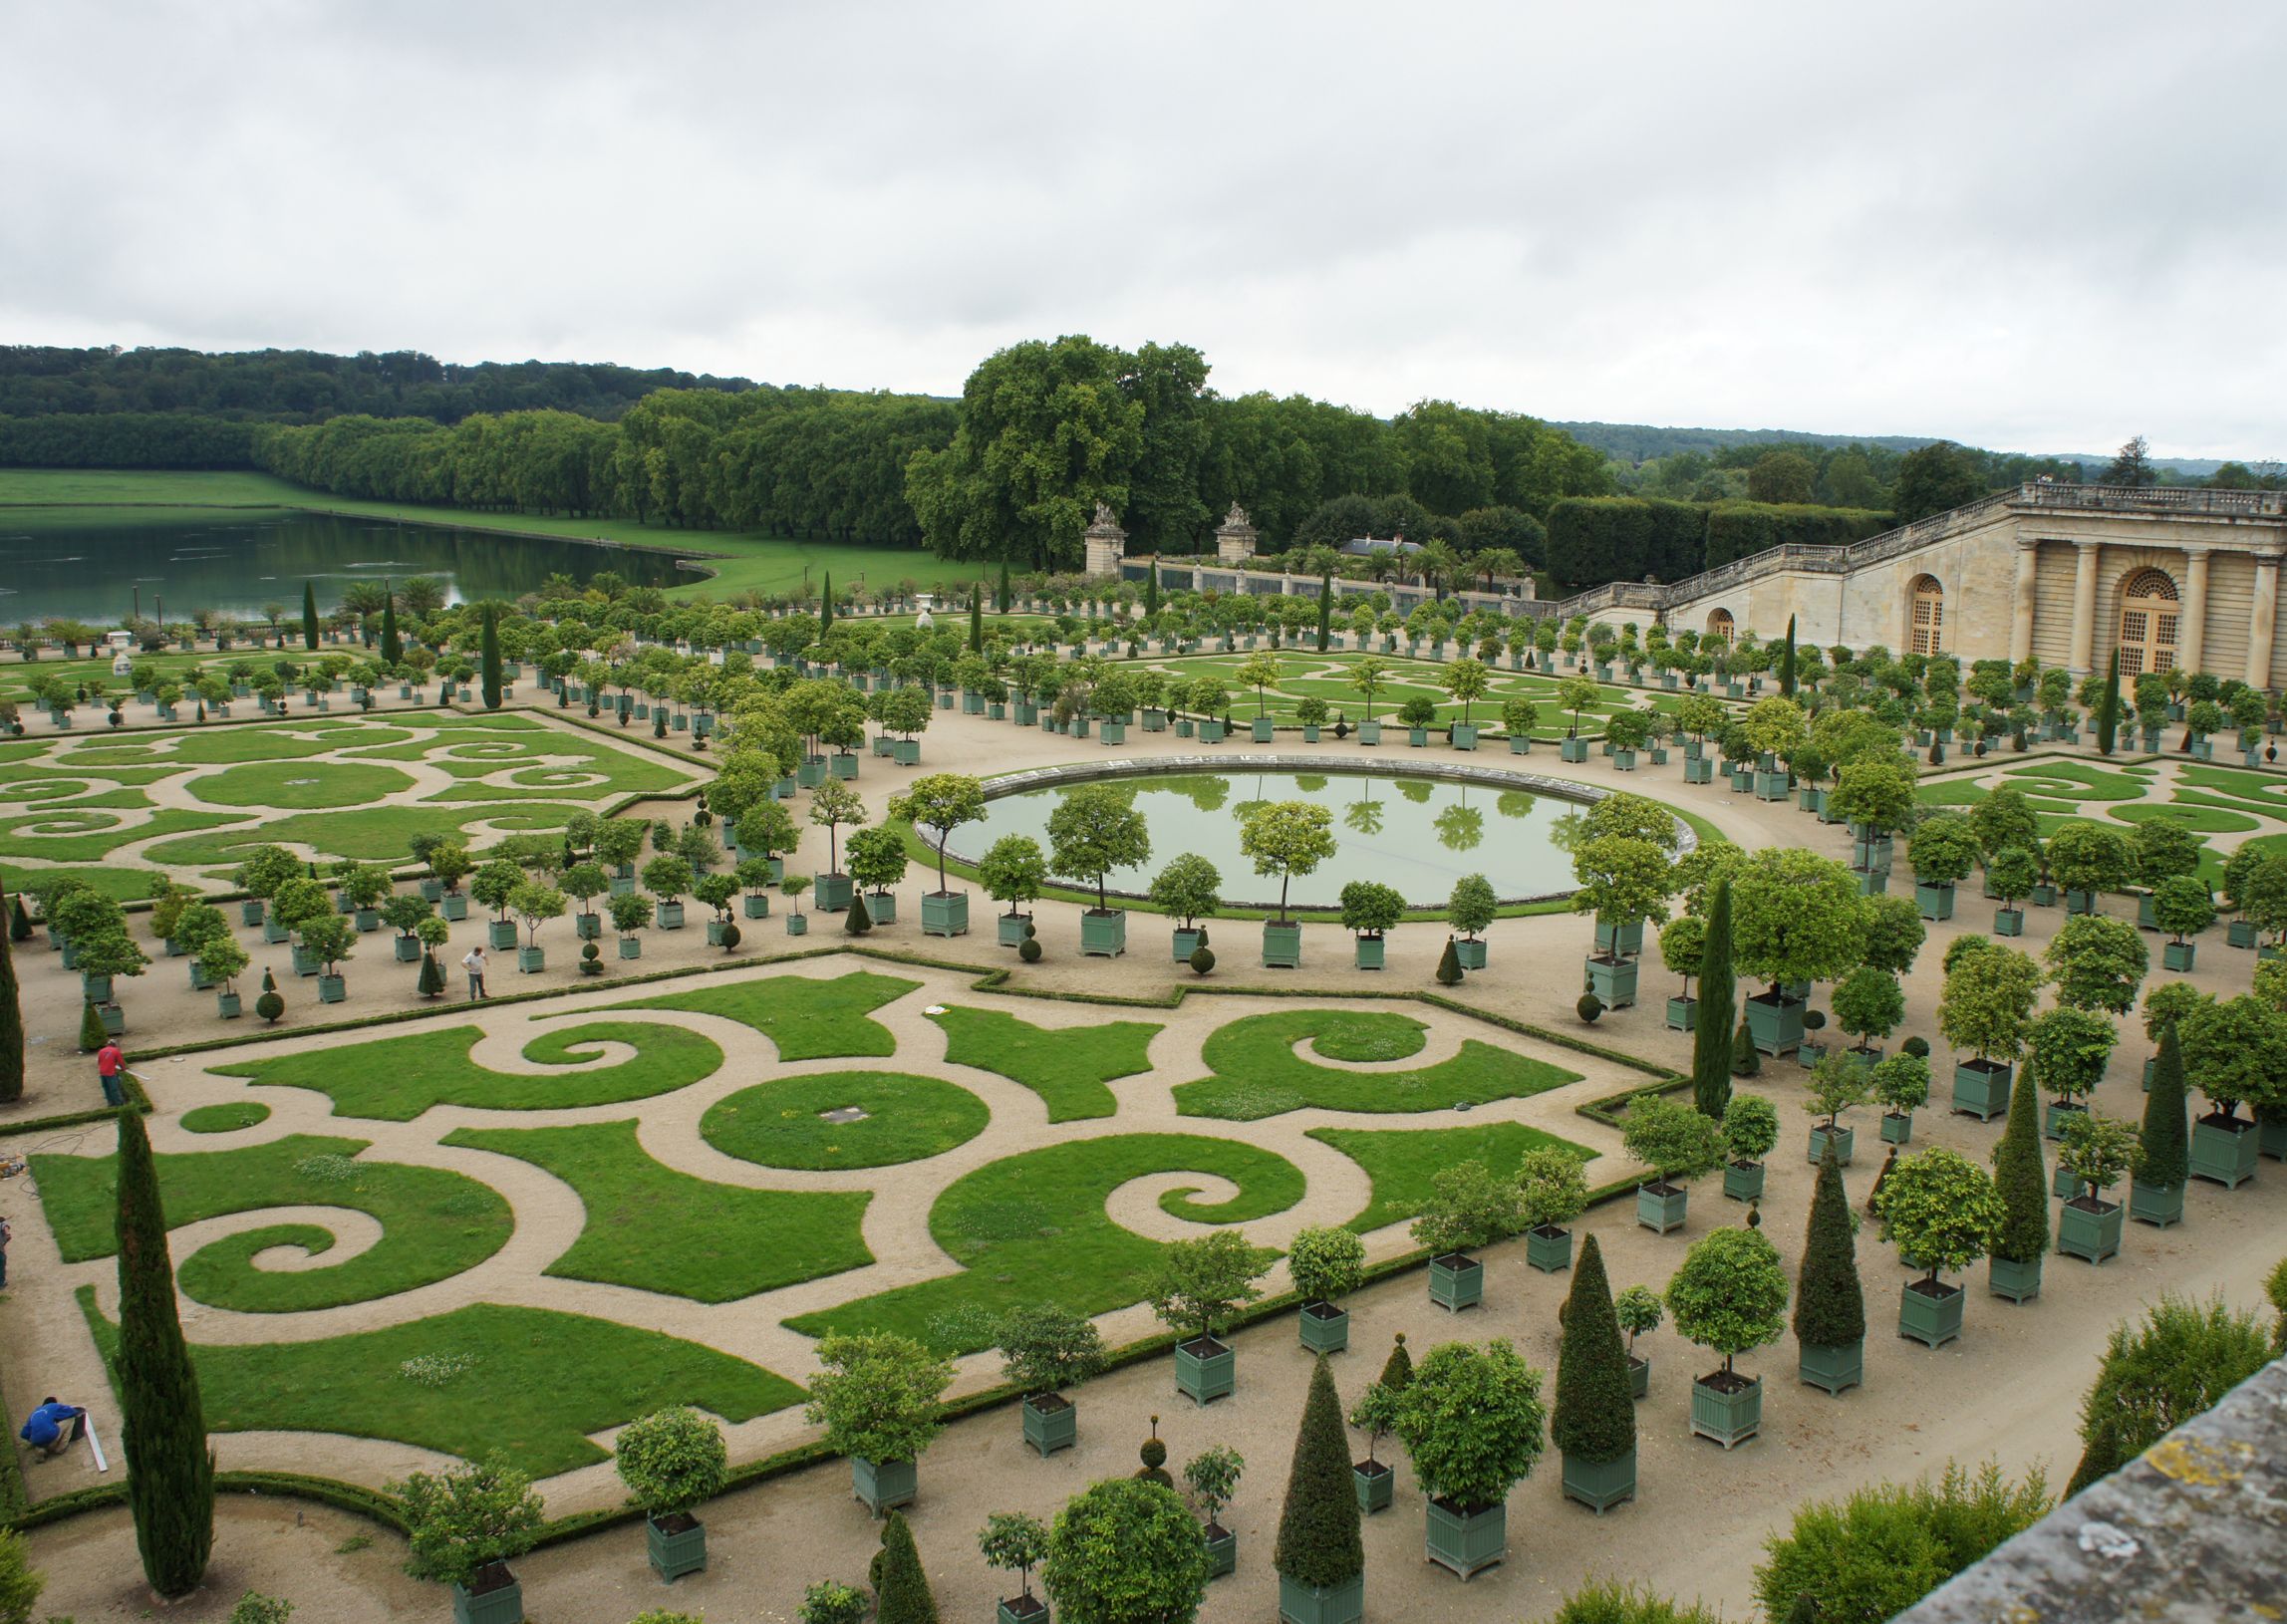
[(590, 951), (1202, 958), (270, 1006), (1589, 1006), (1813, 1020), (1917, 1046), (729, 938), (1030, 951)]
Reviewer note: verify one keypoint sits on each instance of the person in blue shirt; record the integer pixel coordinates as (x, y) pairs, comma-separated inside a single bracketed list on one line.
[(53, 1428)]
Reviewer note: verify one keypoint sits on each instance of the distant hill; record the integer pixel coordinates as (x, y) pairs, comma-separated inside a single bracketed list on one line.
[(1639, 442)]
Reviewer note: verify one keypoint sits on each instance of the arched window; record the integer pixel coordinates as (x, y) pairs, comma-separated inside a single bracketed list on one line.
[(1719, 624), (1926, 635), (2149, 618)]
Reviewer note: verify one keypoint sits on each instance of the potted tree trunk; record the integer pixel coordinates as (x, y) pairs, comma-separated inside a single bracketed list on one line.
[(1091, 832), (1986, 1006), (1682, 944), (466, 1526), (1375, 1414), (1838, 1082), (1901, 1083), (673, 1462), (1943, 1212), (1750, 1133), (1594, 1423), (1468, 1207), (1371, 910), (1286, 839), (1729, 1297), (1189, 890), (1551, 1190), (1043, 1350), (1830, 1305), (877, 1397), (1472, 1418), (1325, 1263), (1199, 1285), (937, 804), (1320, 1560), (1469, 909)]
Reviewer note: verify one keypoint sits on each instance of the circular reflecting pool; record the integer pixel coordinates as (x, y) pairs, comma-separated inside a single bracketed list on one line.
[(1416, 834)]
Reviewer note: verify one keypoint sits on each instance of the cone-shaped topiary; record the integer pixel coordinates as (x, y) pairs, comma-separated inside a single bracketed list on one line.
[(19, 921), (1318, 1542), (1746, 1061), (1830, 1305), (93, 1035), (432, 975), (489, 654), (1711, 1050), (392, 643), (2164, 1151), (904, 1589), (2020, 1177), (1787, 662), (309, 615), (859, 919), (1596, 1415), (163, 1424), (11, 1027), (2109, 708), (1449, 965)]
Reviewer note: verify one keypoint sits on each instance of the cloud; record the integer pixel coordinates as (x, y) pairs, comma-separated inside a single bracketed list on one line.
[(2031, 226)]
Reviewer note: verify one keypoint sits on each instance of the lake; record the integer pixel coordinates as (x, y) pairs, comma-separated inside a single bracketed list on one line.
[(89, 564)]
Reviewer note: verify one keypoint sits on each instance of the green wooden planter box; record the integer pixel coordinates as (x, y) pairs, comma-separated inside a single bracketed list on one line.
[(1660, 1208), (1104, 932), (2064, 1182), (1210, 733), (2238, 934), (880, 907), (1281, 946), (332, 989), (503, 1604), (1873, 882), (946, 913), (457, 904), (2019, 1282), (1025, 1609), (590, 927), (226, 1006), (1897, 1127), (631, 947), (2160, 1206), (675, 1554), (1467, 1542), (1573, 749), (1222, 1550), (1775, 1027), (2178, 955), (1639, 1375), (1324, 1327), (844, 765), (834, 892), (1205, 1370), (1743, 1181), (1770, 786), (1601, 1484), (1613, 980), (1549, 1249), (1622, 939), (1684, 1014), (2008, 922), (1469, 954), (305, 962), (1455, 1281), (1981, 1088), (755, 906), (1051, 1430), (667, 916), (1262, 729), (1731, 1419), (250, 910), (98, 989), (883, 1484), (1376, 1486), (1934, 902), (1009, 928), (1307, 1604), (2095, 1235), (1835, 1369), (1520, 743), (1697, 769), (1845, 1139), (501, 934), (1931, 1319), (2271, 1138), (1369, 951), (1185, 944)]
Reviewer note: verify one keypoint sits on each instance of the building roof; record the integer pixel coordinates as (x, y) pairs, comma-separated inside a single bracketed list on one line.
[(1360, 546)]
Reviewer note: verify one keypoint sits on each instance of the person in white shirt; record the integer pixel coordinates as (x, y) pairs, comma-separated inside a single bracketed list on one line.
[(473, 963)]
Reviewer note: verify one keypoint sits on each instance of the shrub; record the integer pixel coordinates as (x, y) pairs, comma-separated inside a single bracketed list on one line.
[(672, 1460), (1046, 1348), (1201, 958), (1830, 1305), (20, 1586), (1594, 1420), (1472, 1420), (2020, 1178), (1941, 1209), (829, 1601), (1468, 1206), (1124, 1551), (1328, 1264), (1750, 1127), (2157, 1375), (877, 1396), (1030, 949), (1988, 998), (1319, 1543), (1588, 1009), (465, 1519), (1552, 1189), (1731, 1294), (903, 1586), (1608, 1601)]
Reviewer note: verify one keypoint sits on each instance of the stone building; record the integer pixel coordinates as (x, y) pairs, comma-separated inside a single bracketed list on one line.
[(2061, 574)]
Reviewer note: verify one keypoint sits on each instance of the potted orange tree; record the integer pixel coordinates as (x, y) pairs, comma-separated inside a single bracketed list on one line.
[(1286, 839), (1018, 1542), (465, 1527), (1552, 1192), (1675, 1141), (877, 1397), (1468, 1206), (1943, 1212), (1043, 1350), (673, 1462), (1729, 1297), (1199, 1285), (1325, 1263), (1472, 1420)]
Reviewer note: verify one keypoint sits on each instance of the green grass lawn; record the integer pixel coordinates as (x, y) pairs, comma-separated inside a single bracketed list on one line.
[(378, 834), (1031, 1229), (300, 786), (230, 746), (396, 1079), (1257, 1073), (1067, 1067), (1401, 1161), (780, 1124), (742, 561), (224, 1119), (528, 1382), (61, 835), (434, 1224), (656, 1230), (121, 885), (806, 1019)]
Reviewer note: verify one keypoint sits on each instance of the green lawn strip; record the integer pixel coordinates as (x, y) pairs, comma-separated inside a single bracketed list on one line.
[(1954, 792), (227, 1118), (1066, 1066), (2076, 780), (435, 1224), (656, 1230), (1403, 1161), (223, 747), (87, 835), (53, 795), (374, 834), (1256, 1073), (396, 1079), (2274, 810), (121, 885), (1031, 1229), (300, 786), (807, 1018), (528, 1382), (2201, 814), (782, 1124)]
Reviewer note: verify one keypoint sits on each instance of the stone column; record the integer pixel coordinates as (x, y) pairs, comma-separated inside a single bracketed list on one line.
[(2084, 608), (2263, 623), (2191, 633), (2021, 626)]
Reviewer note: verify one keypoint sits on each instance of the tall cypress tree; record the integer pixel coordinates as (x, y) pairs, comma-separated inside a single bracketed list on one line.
[(1830, 1305), (977, 619), (1594, 1420), (826, 607), (163, 1424), (1318, 1542), (904, 1588), (11, 1025), (309, 617), (1325, 608), (2164, 1151), (2020, 1177), (1150, 586), (1787, 663), (392, 646), (488, 653), (1000, 603), (2109, 708), (1711, 1042)]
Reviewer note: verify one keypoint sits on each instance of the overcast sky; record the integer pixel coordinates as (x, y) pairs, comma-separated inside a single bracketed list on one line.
[(2026, 226)]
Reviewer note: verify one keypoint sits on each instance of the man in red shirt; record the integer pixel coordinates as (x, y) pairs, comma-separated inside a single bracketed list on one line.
[(109, 1063)]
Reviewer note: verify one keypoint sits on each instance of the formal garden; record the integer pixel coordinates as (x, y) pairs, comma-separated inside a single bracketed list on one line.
[(868, 1169)]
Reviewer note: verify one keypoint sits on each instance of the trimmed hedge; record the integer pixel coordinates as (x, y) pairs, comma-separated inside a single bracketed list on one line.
[(1743, 529), (1595, 539)]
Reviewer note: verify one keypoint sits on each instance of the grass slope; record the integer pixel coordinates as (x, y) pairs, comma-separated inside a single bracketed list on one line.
[(1067, 1067), (434, 1223), (1403, 1161), (806, 1019), (656, 1230), (1258, 1074), (396, 1079), (528, 1382), (1031, 1229), (782, 1124)]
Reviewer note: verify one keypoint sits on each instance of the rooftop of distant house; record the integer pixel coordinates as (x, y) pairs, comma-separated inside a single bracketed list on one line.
[(1361, 546)]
